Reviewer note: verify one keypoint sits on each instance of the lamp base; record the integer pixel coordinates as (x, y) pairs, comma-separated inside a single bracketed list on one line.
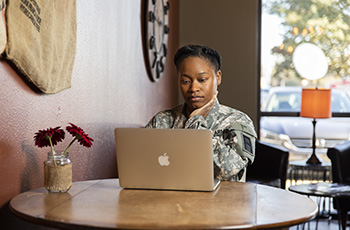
[(313, 160)]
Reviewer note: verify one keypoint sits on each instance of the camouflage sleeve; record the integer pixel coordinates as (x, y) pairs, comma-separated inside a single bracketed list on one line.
[(234, 148), (170, 119), (161, 121), (196, 122)]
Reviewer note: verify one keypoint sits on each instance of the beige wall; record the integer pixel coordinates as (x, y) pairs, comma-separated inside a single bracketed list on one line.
[(110, 88), (230, 26)]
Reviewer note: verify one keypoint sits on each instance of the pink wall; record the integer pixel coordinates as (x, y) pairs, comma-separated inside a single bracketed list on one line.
[(110, 88)]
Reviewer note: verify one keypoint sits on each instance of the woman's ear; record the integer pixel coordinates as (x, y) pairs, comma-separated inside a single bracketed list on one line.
[(218, 77)]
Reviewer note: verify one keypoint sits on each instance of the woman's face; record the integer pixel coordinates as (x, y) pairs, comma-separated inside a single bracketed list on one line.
[(198, 81)]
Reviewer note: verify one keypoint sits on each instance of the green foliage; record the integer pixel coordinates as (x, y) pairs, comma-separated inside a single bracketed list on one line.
[(326, 23)]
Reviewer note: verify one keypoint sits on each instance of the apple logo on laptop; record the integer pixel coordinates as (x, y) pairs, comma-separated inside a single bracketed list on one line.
[(164, 160)]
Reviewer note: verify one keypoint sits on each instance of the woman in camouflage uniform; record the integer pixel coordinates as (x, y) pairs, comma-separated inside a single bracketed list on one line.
[(233, 134)]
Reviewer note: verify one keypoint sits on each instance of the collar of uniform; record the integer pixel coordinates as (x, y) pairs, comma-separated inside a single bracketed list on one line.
[(215, 109)]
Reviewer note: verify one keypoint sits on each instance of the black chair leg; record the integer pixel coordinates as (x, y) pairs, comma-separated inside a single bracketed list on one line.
[(343, 218)]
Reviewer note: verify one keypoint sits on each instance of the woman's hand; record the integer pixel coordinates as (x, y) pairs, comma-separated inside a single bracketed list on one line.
[(205, 109)]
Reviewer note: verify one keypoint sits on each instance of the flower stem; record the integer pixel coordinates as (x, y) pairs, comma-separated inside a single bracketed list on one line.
[(53, 152), (65, 151)]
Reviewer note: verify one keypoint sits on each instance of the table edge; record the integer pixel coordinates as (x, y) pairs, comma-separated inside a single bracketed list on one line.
[(52, 223)]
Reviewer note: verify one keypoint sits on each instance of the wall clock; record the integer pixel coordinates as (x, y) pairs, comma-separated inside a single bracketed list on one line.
[(155, 36)]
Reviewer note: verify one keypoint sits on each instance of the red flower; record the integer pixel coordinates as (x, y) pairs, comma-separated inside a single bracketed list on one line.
[(42, 137), (52, 136), (80, 135)]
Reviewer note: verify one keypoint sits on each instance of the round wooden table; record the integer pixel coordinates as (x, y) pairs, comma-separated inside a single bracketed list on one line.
[(339, 192), (102, 204)]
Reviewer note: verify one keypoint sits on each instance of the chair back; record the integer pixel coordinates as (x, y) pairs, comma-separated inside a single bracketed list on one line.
[(340, 158), (270, 165)]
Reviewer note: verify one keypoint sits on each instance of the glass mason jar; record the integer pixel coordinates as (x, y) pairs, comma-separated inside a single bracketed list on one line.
[(57, 172)]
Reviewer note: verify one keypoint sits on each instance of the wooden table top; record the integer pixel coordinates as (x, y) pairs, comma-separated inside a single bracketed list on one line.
[(102, 204)]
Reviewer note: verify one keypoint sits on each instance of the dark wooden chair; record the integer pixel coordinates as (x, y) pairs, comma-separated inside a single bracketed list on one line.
[(269, 167), (340, 158)]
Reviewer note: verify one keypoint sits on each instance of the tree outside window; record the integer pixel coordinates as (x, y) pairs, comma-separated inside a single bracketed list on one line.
[(324, 23)]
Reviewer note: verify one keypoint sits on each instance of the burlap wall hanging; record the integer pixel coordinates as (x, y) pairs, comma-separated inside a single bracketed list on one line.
[(41, 41), (3, 36)]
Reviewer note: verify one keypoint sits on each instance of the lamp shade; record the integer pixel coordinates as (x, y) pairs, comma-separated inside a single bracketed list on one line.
[(316, 103)]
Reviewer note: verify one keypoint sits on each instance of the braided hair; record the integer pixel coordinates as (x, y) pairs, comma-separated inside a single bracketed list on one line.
[(210, 55)]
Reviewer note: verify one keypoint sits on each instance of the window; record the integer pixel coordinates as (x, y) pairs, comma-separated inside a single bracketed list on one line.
[(286, 26)]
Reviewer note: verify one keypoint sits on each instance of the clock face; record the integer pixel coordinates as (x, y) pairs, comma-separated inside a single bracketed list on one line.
[(155, 37)]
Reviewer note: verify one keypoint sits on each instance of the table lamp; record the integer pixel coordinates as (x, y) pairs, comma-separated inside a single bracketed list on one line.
[(316, 104)]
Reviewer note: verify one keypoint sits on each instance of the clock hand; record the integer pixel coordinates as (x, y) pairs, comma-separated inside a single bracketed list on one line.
[(158, 20)]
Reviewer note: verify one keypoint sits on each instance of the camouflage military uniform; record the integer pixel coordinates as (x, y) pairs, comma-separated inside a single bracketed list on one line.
[(233, 136)]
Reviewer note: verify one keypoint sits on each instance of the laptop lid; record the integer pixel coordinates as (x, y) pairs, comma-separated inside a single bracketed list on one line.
[(174, 159)]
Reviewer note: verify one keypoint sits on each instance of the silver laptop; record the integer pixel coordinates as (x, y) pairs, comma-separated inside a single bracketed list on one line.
[(172, 159)]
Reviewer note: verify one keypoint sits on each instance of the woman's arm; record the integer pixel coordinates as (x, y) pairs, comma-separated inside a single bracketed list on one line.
[(234, 149)]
